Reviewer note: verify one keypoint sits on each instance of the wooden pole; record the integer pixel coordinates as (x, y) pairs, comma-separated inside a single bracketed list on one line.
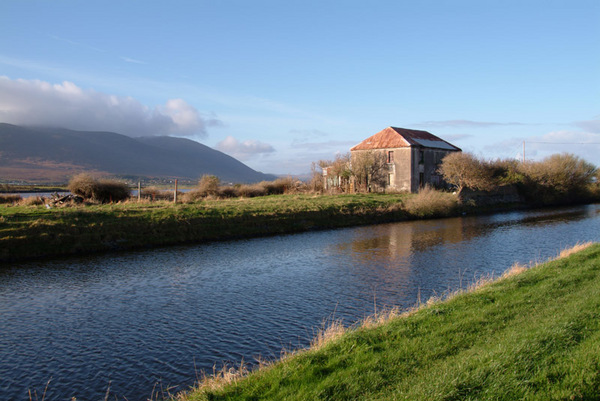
[(175, 194), (523, 152), (139, 191)]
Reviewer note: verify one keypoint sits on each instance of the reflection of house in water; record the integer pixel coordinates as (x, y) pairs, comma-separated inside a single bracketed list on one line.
[(400, 240), (401, 258)]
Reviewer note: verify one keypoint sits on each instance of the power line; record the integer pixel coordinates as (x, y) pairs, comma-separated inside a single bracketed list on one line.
[(567, 143)]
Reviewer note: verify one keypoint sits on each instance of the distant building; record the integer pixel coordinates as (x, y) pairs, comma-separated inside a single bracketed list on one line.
[(412, 156)]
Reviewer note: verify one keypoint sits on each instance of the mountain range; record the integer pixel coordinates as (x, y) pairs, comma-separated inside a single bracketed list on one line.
[(42, 154)]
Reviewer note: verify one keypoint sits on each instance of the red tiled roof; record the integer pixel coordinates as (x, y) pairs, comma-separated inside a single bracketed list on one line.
[(393, 137)]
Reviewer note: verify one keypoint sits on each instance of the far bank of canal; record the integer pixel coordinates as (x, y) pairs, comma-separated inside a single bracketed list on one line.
[(136, 318)]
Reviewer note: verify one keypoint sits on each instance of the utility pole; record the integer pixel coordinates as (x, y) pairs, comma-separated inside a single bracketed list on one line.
[(523, 152)]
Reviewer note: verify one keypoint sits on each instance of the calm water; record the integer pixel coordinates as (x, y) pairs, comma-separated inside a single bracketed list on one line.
[(131, 320)]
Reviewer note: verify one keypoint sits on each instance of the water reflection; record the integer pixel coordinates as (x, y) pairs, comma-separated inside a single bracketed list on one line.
[(138, 317), (397, 241)]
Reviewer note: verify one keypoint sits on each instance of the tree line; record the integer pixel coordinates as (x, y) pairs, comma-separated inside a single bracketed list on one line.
[(557, 178)]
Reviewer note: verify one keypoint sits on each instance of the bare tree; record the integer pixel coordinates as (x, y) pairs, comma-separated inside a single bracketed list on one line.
[(369, 169), (338, 170)]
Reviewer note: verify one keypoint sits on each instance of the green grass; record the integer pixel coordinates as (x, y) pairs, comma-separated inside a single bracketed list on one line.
[(34, 231), (533, 335)]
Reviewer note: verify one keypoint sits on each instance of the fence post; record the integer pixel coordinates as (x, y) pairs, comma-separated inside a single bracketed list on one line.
[(175, 194), (139, 191)]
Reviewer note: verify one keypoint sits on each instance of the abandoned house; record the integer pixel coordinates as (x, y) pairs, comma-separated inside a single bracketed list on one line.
[(412, 157)]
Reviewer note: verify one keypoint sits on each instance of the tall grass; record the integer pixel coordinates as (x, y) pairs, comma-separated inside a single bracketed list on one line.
[(9, 199), (209, 187), (430, 202), (31, 201), (156, 194)]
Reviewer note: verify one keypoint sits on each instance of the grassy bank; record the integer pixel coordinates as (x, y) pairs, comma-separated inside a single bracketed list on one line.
[(34, 231), (533, 335)]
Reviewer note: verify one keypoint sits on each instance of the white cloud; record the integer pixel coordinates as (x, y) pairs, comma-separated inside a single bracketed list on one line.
[(132, 60), (333, 146), (568, 138), (34, 102), (457, 137), (590, 125), (244, 150)]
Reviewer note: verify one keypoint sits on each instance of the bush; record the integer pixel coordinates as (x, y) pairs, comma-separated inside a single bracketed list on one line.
[(98, 190), (228, 192), (558, 178), (563, 172), (208, 185), (251, 191), (111, 191), (191, 196), (431, 203), (506, 171), (279, 186), (10, 198), (463, 169), (83, 185)]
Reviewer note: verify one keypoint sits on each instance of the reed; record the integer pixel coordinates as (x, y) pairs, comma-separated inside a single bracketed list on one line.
[(430, 202)]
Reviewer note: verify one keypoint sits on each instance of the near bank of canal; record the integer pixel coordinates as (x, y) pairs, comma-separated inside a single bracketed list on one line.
[(132, 319)]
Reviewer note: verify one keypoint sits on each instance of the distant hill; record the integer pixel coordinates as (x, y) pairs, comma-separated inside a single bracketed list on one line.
[(55, 154)]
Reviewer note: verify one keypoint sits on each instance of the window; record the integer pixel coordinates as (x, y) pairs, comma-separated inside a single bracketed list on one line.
[(421, 156), (390, 156), (421, 180)]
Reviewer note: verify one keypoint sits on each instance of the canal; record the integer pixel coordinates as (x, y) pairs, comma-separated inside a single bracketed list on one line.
[(132, 322)]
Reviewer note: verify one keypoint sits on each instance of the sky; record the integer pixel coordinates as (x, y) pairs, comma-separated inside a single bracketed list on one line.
[(280, 84)]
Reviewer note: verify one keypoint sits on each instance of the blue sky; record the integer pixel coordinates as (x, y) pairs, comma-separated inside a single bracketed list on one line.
[(279, 84)]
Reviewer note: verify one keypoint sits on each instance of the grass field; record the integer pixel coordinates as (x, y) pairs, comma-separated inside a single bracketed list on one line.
[(35, 231), (534, 335)]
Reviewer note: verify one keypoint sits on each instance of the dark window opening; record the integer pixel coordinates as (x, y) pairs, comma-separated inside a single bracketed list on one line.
[(421, 180), (421, 156), (390, 156)]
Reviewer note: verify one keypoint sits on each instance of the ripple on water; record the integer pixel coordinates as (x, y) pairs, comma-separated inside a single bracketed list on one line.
[(129, 320)]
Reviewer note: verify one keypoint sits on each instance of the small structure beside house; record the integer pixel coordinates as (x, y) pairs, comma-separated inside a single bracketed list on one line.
[(412, 156), (333, 181)]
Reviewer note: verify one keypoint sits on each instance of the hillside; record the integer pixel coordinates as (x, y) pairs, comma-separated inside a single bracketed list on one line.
[(55, 154)]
